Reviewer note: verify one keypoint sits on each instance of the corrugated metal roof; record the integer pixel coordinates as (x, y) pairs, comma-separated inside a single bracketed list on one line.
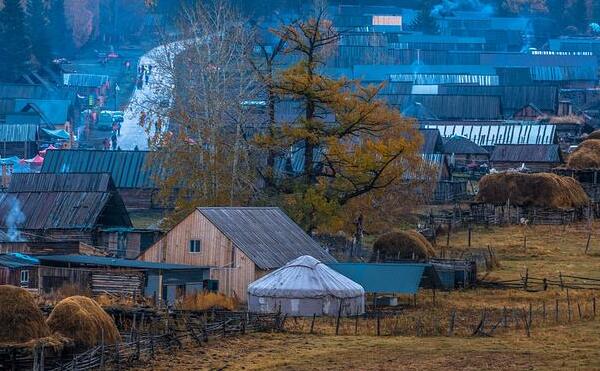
[(18, 132), (495, 134), (384, 72), (127, 168), (305, 277), (527, 153), (84, 80), (115, 262), (265, 234), (384, 277), (465, 107), (17, 261), (537, 60), (54, 112)]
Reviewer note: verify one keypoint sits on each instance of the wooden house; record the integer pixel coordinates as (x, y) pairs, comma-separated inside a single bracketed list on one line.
[(535, 157), (63, 207), (130, 170), (240, 244), (19, 140), (463, 152)]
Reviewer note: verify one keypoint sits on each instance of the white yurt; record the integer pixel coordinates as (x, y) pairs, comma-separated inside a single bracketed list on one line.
[(304, 287)]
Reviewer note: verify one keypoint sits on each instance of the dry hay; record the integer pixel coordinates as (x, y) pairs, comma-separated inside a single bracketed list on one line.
[(20, 318), (542, 190), (402, 245), (83, 320), (586, 156), (593, 135), (208, 300)]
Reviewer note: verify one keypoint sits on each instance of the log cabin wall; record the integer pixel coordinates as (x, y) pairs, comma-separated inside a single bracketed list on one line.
[(216, 251)]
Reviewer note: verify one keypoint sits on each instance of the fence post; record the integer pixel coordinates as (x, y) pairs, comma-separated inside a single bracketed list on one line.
[(448, 235), (544, 310), (504, 318), (339, 315), (527, 324), (525, 279), (356, 325), (568, 305), (470, 232), (451, 324), (594, 306), (378, 323), (530, 314), (562, 286), (312, 323), (579, 311), (556, 318)]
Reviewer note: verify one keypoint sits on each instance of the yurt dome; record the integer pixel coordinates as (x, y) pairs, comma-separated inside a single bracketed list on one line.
[(304, 287)]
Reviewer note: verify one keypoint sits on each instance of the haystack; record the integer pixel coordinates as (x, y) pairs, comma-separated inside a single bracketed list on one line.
[(20, 318), (542, 190), (586, 156), (593, 135), (83, 320), (402, 245)]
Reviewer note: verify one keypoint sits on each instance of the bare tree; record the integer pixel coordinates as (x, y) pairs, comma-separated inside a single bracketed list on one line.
[(198, 133)]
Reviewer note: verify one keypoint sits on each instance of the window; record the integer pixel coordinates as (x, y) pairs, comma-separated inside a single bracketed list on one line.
[(195, 245), (24, 278)]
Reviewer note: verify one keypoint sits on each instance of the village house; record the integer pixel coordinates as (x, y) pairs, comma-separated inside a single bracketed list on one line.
[(462, 152), (240, 244), (64, 207), (535, 157)]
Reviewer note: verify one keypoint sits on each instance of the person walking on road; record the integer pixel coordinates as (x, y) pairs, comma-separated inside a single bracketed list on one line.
[(113, 139), (106, 144)]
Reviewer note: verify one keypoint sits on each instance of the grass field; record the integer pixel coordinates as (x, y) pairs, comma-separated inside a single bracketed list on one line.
[(573, 347)]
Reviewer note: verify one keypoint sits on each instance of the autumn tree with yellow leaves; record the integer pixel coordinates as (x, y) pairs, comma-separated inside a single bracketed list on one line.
[(353, 149)]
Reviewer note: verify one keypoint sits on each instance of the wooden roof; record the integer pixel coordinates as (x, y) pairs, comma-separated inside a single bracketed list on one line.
[(63, 201), (265, 234), (549, 153)]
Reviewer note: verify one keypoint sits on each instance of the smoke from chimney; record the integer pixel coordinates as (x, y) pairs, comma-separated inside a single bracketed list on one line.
[(13, 219), (447, 7)]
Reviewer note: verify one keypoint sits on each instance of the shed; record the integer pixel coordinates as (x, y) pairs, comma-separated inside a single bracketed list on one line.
[(306, 287), (463, 151), (241, 244), (19, 140), (536, 157)]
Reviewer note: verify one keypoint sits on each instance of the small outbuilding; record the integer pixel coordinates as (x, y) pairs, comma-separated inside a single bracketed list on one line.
[(306, 287)]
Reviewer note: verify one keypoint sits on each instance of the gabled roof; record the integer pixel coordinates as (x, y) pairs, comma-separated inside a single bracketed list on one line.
[(527, 153), (458, 144), (18, 132), (84, 80), (62, 201), (127, 168), (114, 262), (265, 234), (17, 261), (52, 111), (432, 141), (464, 107)]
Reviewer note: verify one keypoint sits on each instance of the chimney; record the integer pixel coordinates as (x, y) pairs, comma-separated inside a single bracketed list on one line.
[(565, 108)]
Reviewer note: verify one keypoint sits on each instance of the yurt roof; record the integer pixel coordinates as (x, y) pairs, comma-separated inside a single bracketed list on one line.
[(305, 277)]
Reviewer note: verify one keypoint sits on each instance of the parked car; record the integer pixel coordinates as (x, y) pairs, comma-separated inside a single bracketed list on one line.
[(105, 120)]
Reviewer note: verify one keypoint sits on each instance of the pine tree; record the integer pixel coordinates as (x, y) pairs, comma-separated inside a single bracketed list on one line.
[(61, 37), (358, 154), (37, 24), (15, 42)]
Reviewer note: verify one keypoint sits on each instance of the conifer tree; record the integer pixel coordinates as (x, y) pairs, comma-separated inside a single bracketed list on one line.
[(15, 46), (37, 25)]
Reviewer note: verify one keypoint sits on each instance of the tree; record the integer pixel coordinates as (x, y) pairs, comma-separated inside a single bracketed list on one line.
[(525, 6), (199, 138), (425, 21), (37, 25), (60, 35), (352, 147), (15, 46)]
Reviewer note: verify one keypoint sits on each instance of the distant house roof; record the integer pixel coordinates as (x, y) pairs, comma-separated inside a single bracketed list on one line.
[(127, 168), (104, 261), (63, 201), (14, 91), (464, 107), (498, 132), (523, 153), (457, 144), (84, 80), (53, 112), (424, 74), (18, 132), (265, 234), (432, 141)]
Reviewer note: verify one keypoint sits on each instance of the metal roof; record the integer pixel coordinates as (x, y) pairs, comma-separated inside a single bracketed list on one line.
[(53, 111), (265, 234), (527, 153), (114, 262), (18, 132), (384, 277), (17, 261), (51, 182), (457, 144), (127, 168), (502, 133), (84, 80), (442, 107)]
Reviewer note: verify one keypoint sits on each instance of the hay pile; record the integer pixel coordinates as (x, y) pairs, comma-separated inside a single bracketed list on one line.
[(532, 190), (402, 245), (20, 318), (208, 300), (586, 156), (593, 135), (83, 320)]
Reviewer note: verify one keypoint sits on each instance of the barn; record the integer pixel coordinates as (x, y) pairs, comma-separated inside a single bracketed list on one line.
[(240, 244), (535, 157)]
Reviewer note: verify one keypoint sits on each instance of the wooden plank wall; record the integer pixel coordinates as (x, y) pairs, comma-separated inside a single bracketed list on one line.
[(217, 251)]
